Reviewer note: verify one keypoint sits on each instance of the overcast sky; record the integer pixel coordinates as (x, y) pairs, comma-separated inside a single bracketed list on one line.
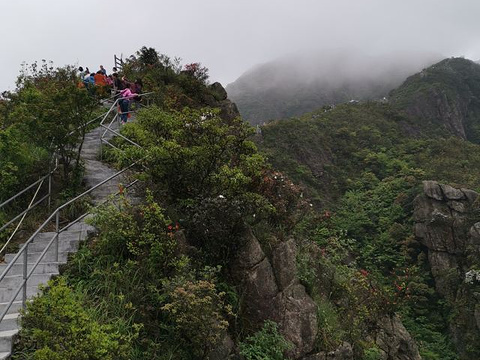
[(228, 36)]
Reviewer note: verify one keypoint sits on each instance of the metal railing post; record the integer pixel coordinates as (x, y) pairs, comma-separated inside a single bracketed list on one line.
[(49, 189), (57, 222), (25, 276)]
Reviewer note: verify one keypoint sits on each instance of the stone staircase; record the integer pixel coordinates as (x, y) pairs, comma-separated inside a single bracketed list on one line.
[(69, 240)]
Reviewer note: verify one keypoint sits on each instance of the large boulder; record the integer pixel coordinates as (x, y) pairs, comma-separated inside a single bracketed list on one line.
[(447, 224), (275, 293), (216, 97), (394, 341), (344, 352), (296, 312), (284, 263), (223, 350), (218, 91)]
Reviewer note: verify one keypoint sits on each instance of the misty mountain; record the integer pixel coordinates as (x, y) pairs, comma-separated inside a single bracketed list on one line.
[(296, 84), (445, 97)]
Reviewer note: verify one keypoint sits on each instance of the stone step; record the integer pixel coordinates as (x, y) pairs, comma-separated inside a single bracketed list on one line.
[(15, 308), (63, 236), (6, 294), (4, 355), (17, 269), (63, 246), (10, 322), (14, 281), (32, 257), (6, 340), (82, 226)]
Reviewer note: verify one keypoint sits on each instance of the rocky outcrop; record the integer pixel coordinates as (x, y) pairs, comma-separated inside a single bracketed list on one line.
[(271, 290), (218, 91), (223, 350), (438, 105), (443, 98), (394, 341), (447, 224), (216, 97), (344, 352)]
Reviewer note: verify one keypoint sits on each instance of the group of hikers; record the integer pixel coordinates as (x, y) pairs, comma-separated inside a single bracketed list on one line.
[(117, 85)]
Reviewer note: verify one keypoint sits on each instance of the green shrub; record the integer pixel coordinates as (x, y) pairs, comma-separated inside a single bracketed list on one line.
[(57, 325), (198, 312), (330, 332), (266, 344), (372, 353)]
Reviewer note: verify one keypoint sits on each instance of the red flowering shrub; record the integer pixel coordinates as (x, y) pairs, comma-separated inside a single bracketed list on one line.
[(196, 70), (282, 194)]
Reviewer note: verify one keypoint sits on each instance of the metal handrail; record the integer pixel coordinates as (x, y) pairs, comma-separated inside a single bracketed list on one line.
[(23, 212), (49, 176), (51, 160), (29, 187), (56, 214), (24, 248), (21, 221)]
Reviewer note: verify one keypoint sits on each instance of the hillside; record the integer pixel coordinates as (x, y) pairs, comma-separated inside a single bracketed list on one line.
[(445, 95), (364, 164), (300, 83)]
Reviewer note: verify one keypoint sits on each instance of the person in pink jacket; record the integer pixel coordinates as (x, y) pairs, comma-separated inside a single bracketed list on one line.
[(126, 95)]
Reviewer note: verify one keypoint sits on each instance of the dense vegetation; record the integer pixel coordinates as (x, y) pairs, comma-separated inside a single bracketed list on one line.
[(361, 165)]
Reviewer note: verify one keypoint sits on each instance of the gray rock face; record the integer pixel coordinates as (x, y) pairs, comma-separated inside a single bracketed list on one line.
[(217, 98), (275, 293), (224, 349), (445, 222), (219, 91), (432, 190), (450, 111), (394, 341), (284, 264), (228, 110), (451, 193), (344, 352)]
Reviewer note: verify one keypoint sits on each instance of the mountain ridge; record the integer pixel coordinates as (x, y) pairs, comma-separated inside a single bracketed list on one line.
[(294, 85)]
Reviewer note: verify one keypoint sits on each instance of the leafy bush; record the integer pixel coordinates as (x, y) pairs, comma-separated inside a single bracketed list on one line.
[(208, 170), (52, 110), (198, 312), (330, 333), (71, 331), (20, 160), (266, 344), (372, 353)]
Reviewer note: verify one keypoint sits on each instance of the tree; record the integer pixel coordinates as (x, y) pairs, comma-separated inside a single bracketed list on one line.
[(53, 110)]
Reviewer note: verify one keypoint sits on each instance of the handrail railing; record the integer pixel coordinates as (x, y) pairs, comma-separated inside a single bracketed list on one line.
[(41, 180), (24, 249), (6, 202), (56, 214), (21, 220)]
